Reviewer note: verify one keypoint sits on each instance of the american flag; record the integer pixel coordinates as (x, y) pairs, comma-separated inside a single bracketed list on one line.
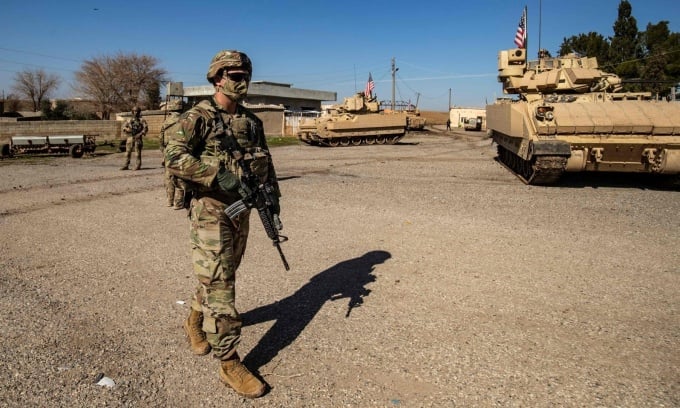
[(521, 35), (369, 86)]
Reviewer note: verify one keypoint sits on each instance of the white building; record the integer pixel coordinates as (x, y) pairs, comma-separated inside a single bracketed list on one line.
[(459, 116)]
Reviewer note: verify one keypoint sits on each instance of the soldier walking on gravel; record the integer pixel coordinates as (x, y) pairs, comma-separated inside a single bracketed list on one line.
[(199, 150), (135, 129)]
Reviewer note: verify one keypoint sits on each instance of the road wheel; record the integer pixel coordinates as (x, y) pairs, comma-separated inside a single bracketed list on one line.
[(369, 140), (76, 151), (344, 141), (333, 142), (356, 141)]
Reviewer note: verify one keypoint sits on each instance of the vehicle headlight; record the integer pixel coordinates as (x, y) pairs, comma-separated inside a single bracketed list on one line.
[(545, 113)]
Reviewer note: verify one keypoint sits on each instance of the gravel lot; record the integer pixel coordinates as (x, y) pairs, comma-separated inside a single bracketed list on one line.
[(422, 274)]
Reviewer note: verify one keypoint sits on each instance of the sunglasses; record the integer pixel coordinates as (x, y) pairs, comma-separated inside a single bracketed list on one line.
[(237, 76)]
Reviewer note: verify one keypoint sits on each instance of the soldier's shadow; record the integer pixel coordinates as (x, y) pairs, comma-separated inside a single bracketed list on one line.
[(347, 279)]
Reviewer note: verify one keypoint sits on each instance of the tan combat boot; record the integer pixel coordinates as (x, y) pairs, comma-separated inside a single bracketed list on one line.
[(236, 375), (194, 330)]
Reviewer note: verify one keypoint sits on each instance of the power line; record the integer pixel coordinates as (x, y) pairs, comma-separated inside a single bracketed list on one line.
[(39, 54)]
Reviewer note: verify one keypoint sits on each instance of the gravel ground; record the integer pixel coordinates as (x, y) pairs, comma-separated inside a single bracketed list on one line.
[(422, 274)]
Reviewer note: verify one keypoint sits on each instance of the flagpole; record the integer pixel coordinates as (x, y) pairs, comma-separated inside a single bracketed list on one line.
[(526, 30)]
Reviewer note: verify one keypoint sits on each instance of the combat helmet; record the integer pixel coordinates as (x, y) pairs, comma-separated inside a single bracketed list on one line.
[(231, 59)]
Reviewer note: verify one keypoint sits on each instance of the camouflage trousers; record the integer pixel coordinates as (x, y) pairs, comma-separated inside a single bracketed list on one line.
[(217, 248), (130, 144), (174, 192)]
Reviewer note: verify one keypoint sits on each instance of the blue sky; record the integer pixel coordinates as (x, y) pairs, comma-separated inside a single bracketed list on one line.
[(326, 45)]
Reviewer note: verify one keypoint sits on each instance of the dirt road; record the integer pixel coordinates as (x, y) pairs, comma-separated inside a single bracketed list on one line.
[(422, 274)]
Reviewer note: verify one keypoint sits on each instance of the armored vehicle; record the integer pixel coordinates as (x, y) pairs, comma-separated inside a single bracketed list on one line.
[(358, 120), (414, 121), (73, 145), (572, 117)]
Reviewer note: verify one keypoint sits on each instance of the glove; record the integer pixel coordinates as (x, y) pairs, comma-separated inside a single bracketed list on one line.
[(260, 165), (227, 181)]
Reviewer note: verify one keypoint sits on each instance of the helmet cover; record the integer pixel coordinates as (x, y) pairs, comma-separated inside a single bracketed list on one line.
[(229, 59)]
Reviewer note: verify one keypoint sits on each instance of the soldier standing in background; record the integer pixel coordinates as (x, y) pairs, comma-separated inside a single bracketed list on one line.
[(202, 149), (175, 187), (135, 129)]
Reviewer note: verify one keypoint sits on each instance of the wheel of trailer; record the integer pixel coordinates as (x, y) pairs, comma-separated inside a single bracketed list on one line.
[(5, 150), (76, 151), (333, 142), (369, 140), (356, 141), (344, 141), (380, 139)]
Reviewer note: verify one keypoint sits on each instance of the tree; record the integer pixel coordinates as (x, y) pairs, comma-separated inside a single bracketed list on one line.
[(119, 82), (649, 60), (661, 44), (656, 36), (625, 48), (589, 45), (36, 85), (56, 111), (12, 103)]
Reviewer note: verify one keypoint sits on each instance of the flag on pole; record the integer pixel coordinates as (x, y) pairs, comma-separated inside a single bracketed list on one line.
[(369, 86), (521, 35)]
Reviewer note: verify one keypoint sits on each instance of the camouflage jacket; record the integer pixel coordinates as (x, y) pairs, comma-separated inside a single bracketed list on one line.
[(135, 127), (196, 150), (169, 121)]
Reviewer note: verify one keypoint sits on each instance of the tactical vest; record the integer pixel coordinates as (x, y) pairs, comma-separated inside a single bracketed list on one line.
[(227, 137)]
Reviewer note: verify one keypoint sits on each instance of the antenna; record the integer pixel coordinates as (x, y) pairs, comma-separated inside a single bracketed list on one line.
[(540, 19), (394, 71)]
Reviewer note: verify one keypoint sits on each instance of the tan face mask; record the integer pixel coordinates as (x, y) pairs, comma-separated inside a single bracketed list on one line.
[(236, 91)]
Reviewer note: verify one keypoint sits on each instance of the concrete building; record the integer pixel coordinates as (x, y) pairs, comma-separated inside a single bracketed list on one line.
[(278, 105), (270, 93), (460, 115)]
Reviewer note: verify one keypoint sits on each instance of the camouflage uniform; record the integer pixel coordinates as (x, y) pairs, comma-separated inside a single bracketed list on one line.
[(175, 187), (195, 152), (135, 128)]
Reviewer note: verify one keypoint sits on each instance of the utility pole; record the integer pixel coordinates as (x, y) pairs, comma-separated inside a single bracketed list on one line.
[(417, 99), (449, 100), (394, 71)]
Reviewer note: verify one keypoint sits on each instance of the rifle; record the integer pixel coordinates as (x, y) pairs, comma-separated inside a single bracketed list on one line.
[(135, 128), (261, 196), (356, 299)]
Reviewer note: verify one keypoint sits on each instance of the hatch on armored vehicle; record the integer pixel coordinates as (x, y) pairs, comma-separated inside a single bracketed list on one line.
[(573, 117)]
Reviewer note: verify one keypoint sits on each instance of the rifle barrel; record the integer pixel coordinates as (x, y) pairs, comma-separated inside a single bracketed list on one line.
[(283, 257)]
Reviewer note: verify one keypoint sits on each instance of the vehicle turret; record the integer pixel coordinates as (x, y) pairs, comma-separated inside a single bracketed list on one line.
[(569, 74), (571, 116)]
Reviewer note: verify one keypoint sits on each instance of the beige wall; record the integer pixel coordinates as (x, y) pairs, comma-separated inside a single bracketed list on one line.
[(111, 129), (272, 120)]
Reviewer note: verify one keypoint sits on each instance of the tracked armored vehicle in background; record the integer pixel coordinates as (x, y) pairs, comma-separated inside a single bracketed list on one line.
[(358, 120), (571, 117), (414, 121)]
